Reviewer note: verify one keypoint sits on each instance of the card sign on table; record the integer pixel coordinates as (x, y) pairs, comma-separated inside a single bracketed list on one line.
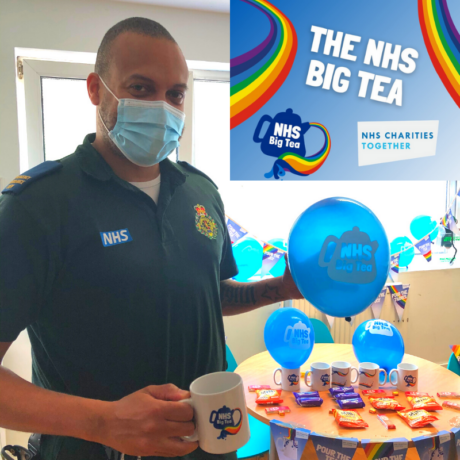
[(236, 232), (376, 307), (392, 449), (290, 440), (456, 432), (329, 448), (399, 293), (433, 447)]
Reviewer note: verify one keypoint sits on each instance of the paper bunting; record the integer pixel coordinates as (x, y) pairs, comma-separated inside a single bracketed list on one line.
[(236, 231), (290, 441), (392, 449), (352, 320), (394, 262), (456, 351), (330, 320), (271, 256), (424, 246), (433, 447), (376, 307), (328, 448), (456, 432), (399, 293), (449, 221)]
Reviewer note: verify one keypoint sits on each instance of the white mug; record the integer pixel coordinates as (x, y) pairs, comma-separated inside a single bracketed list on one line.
[(406, 377), (341, 374), (320, 379), (290, 379), (369, 376), (220, 413)]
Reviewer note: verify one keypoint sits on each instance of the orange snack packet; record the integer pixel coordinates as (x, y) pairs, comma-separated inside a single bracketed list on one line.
[(349, 418), (269, 396), (424, 402), (416, 418), (386, 403)]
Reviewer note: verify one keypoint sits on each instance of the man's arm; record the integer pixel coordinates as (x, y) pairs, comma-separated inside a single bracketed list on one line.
[(239, 298)]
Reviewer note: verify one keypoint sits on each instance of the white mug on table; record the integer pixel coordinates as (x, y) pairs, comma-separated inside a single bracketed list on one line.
[(290, 379), (369, 376), (341, 374), (320, 376), (220, 413), (406, 377)]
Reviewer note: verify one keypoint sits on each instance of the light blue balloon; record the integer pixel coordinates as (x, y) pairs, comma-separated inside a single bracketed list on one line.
[(289, 337), (248, 256), (339, 256), (422, 225), (398, 244), (378, 341), (280, 266)]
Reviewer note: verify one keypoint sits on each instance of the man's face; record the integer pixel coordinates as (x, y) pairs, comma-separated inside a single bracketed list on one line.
[(144, 68)]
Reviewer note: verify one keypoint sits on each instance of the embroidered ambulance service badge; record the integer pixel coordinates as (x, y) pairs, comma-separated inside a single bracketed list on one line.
[(205, 224)]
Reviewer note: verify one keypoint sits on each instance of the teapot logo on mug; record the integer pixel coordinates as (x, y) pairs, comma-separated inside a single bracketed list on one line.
[(223, 420)]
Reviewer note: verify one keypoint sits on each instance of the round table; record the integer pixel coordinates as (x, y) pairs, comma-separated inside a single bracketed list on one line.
[(258, 370)]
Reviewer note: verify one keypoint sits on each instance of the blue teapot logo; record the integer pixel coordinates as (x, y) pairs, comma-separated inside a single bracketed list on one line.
[(325, 379), (294, 379), (410, 380), (223, 421)]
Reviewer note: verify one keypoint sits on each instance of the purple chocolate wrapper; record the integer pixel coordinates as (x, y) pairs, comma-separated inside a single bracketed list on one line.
[(339, 390), (306, 394), (355, 403), (343, 396), (309, 402)]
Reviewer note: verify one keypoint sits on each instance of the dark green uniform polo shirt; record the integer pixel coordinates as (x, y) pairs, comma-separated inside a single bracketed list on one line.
[(116, 292)]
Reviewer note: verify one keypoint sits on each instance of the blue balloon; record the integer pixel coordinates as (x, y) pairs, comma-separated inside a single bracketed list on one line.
[(289, 337), (339, 256), (280, 266), (422, 225), (400, 243), (248, 256), (378, 341)]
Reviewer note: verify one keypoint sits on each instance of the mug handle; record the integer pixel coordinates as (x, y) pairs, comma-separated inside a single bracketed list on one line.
[(397, 377), (305, 378), (194, 436), (357, 374), (274, 376), (386, 376)]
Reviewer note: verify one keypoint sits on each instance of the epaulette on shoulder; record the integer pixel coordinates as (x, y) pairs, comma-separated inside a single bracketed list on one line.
[(196, 171), (19, 183)]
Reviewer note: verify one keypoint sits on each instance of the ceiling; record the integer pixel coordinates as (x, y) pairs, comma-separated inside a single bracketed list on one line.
[(220, 6)]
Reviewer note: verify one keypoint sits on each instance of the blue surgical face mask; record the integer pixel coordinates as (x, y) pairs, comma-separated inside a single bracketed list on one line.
[(146, 132)]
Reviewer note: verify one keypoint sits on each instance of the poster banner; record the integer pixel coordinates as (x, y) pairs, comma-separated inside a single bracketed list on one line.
[(399, 293), (322, 90), (236, 231), (456, 432), (424, 246), (393, 449), (376, 307), (456, 351), (290, 441), (433, 447), (329, 448), (394, 263), (271, 256)]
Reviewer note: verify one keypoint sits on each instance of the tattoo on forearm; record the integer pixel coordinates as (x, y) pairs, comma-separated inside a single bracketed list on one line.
[(237, 295), (271, 293)]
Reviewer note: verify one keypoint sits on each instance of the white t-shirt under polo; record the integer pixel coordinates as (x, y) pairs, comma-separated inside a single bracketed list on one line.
[(151, 187)]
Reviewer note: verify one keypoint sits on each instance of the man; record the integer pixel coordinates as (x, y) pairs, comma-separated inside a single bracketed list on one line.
[(118, 263)]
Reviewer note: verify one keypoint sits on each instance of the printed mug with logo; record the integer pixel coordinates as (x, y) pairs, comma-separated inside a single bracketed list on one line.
[(341, 374), (220, 413), (406, 377), (369, 376), (290, 379), (320, 376)]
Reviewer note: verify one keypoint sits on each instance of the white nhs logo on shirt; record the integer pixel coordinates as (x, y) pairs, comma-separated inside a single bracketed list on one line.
[(115, 237)]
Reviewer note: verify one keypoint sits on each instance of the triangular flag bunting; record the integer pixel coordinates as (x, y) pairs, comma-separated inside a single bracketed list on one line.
[(424, 246), (376, 307), (330, 320), (399, 293), (433, 447), (392, 449), (236, 232), (271, 256), (394, 263), (331, 448), (456, 351), (456, 432), (449, 221), (289, 441), (352, 320)]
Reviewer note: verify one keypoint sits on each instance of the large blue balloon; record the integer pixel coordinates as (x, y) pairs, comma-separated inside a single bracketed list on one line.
[(339, 256), (289, 337), (280, 266), (248, 256), (400, 243), (378, 341), (421, 226)]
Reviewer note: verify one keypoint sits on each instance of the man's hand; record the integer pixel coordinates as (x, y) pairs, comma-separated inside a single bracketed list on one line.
[(292, 292), (149, 422)]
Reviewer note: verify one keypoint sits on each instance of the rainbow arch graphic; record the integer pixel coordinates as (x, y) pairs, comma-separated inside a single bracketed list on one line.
[(234, 429), (442, 42), (249, 95)]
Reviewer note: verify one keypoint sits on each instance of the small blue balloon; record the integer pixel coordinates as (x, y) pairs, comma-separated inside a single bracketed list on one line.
[(248, 256), (400, 243), (339, 256), (280, 266), (289, 337), (378, 341), (422, 225)]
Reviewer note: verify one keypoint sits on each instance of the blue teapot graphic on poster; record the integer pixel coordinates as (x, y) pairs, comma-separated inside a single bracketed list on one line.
[(293, 379), (352, 259), (325, 379), (223, 420), (298, 336), (410, 380)]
